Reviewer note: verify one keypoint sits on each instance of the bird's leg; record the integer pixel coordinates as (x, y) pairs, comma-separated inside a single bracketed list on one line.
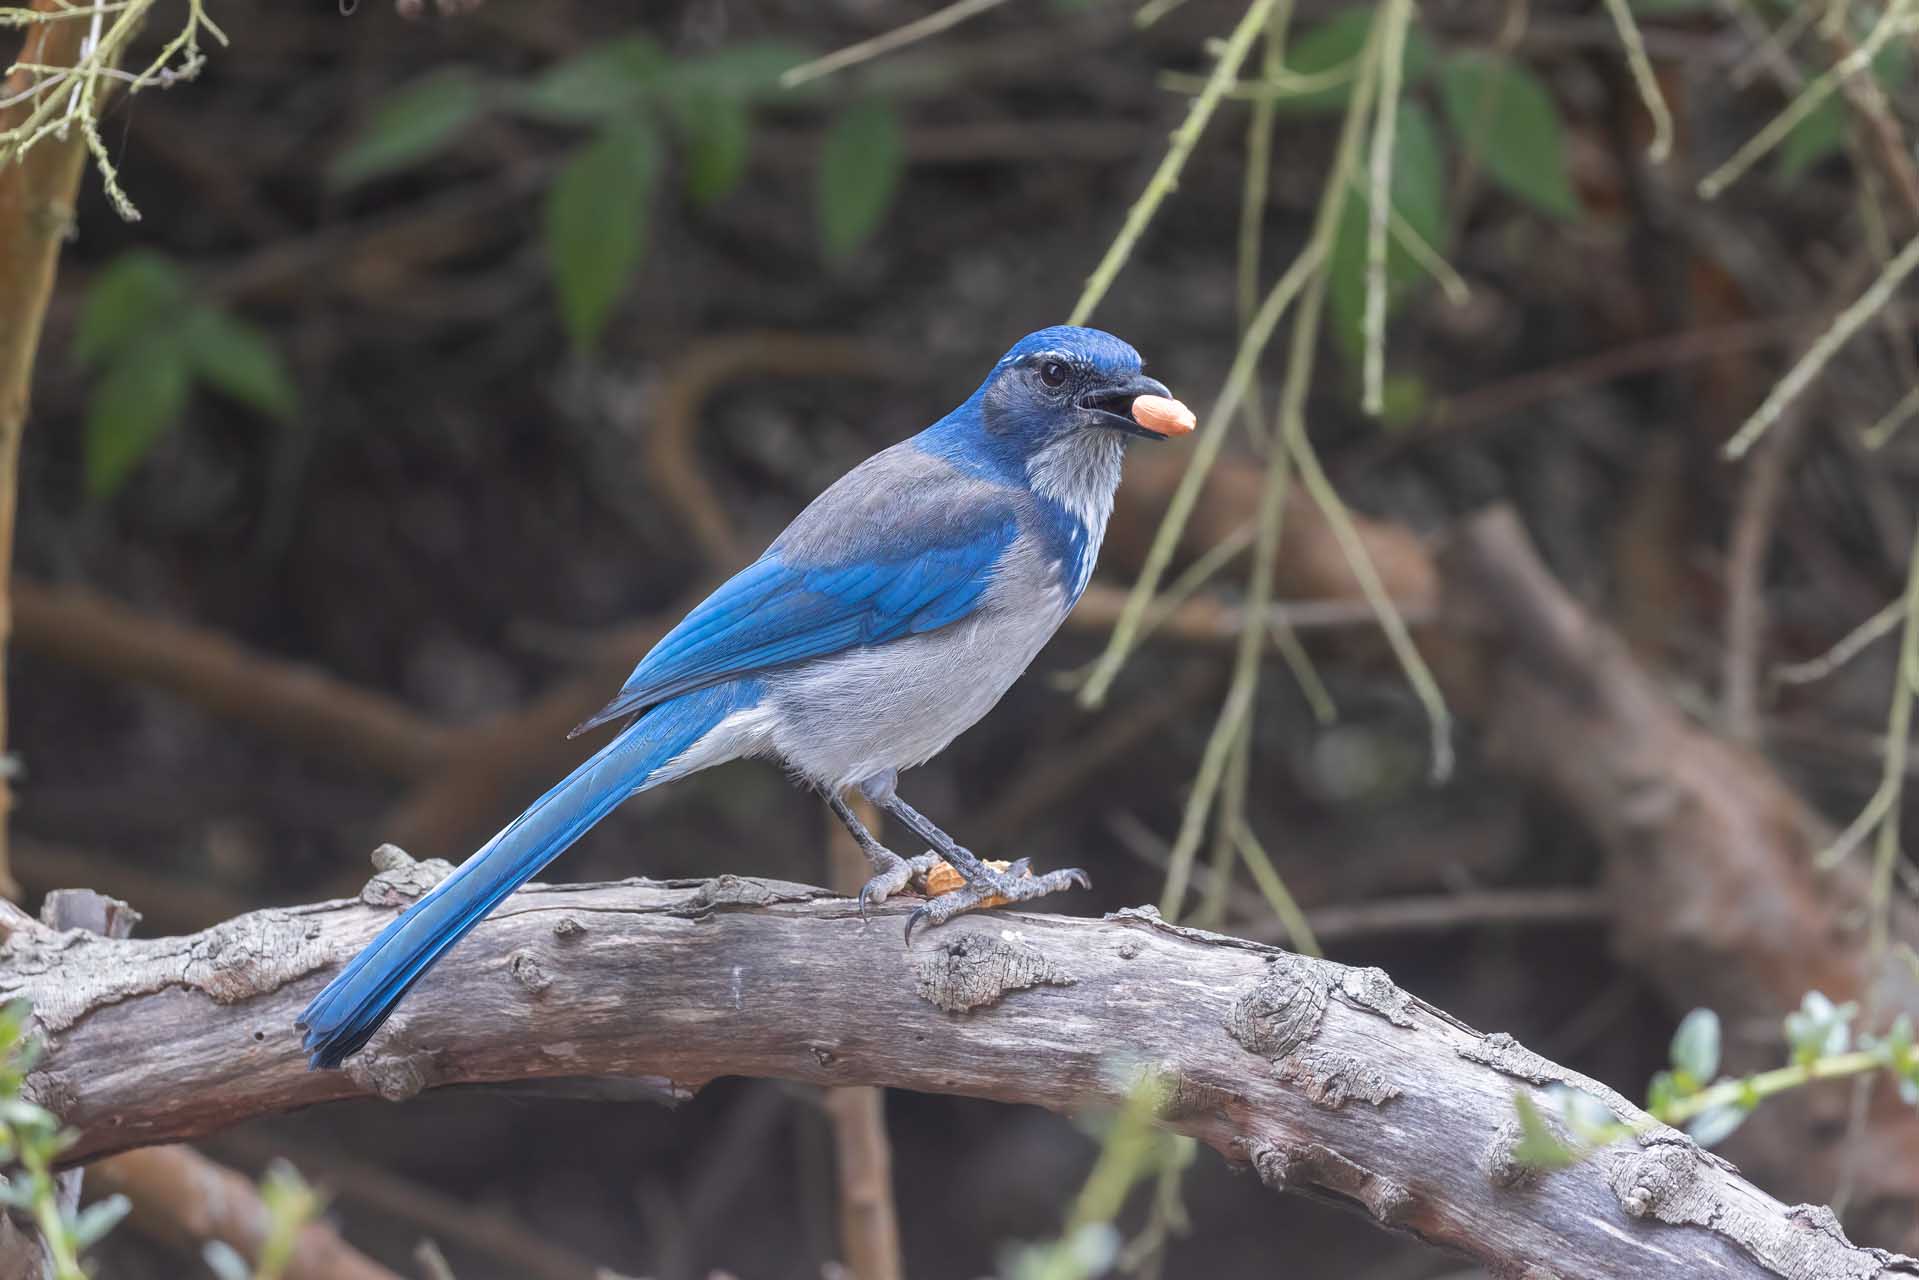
[(983, 884), (890, 871)]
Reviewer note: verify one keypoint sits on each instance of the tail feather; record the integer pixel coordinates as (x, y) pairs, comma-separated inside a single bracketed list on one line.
[(345, 1015)]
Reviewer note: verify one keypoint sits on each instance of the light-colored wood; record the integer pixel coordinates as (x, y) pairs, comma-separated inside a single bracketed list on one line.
[(1317, 1076)]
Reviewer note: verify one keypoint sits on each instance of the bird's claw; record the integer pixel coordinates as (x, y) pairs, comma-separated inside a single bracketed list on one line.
[(995, 888), (896, 876)]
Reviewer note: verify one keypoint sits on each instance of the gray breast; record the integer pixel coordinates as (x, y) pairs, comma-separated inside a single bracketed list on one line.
[(842, 720)]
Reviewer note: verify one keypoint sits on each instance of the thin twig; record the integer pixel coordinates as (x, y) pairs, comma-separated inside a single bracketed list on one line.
[(1126, 631), (1894, 22), (1298, 277), (1876, 436), (898, 38), (1882, 810), (1166, 177), (1849, 647), (1905, 687), (1425, 688), (1746, 561), (1298, 927), (1318, 697), (1254, 192), (1443, 912), (1644, 78), (1230, 741), (1395, 15), (1423, 254), (1843, 327)]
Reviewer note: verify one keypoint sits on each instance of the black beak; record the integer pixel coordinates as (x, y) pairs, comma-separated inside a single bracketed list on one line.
[(1111, 406)]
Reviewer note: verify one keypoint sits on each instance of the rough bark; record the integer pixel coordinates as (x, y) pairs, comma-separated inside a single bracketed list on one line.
[(24, 1254), (1709, 854), (1316, 1076)]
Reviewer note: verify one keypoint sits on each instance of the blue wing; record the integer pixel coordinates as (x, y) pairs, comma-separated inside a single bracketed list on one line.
[(868, 562)]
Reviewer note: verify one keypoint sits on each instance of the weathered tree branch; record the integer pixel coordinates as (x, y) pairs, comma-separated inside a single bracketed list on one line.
[(24, 1253), (1710, 857), (1318, 1076)]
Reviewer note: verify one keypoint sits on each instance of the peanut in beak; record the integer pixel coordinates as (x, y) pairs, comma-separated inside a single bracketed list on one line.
[(1163, 416)]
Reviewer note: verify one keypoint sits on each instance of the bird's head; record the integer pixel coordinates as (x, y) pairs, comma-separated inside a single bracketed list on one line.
[(1064, 382), (1054, 415)]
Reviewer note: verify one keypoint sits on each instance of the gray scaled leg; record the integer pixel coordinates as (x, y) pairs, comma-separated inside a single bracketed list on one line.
[(890, 871), (982, 882)]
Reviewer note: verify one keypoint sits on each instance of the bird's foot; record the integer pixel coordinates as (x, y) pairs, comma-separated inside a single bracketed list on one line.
[(892, 876), (993, 888)]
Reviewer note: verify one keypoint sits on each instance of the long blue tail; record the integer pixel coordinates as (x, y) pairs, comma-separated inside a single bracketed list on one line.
[(344, 1017)]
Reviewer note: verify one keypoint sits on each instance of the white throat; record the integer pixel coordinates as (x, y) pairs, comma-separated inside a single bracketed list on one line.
[(1081, 472)]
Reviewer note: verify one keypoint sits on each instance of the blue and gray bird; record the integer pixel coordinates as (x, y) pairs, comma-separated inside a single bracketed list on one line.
[(890, 616)]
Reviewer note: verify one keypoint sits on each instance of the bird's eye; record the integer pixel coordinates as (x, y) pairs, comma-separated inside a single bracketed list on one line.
[(1053, 373)]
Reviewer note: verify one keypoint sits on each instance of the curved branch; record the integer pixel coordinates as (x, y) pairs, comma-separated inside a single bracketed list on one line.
[(1318, 1076), (184, 1199), (296, 701)]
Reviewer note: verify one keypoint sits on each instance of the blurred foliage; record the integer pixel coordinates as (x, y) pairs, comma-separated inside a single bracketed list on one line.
[(291, 1203), (626, 93), (1329, 52), (1133, 1150), (859, 165), (1511, 125), (1822, 134), (1823, 1047), (1495, 109), (31, 1140), (1419, 200), (151, 343)]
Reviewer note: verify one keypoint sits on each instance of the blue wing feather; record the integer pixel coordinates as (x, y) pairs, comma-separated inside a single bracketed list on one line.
[(889, 573)]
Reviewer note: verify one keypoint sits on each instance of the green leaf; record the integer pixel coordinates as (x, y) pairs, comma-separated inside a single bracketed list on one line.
[(1406, 398), (596, 215), (1419, 197), (718, 134), (606, 81), (237, 359), (1899, 1037), (1819, 134), (1714, 1126), (860, 165), (1506, 116), (1661, 1093), (1695, 1045), (138, 292), (141, 396), (1336, 43), (1819, 1028), (92, 1223), (747, 72), (411, 124), (1589, 1119), (1538, 1146)]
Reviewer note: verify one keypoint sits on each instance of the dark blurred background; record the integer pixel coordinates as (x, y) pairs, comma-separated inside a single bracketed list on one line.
[(425, 473)]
